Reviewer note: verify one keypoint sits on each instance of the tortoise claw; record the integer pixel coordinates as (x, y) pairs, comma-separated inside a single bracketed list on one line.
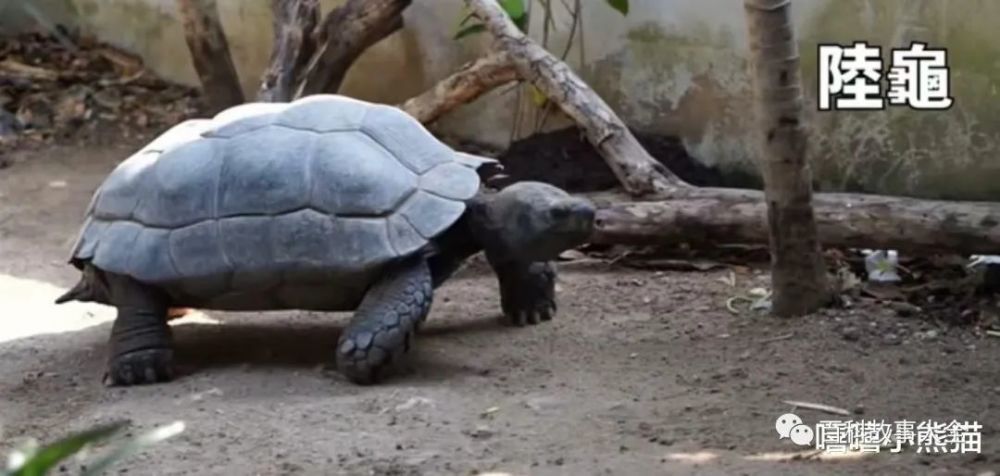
[(528, 294), (140, 367)]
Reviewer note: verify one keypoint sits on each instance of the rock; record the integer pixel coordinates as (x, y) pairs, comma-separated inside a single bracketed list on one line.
[(9, 124), (891, 339), (481, 432), (413, 402), (850, 334)]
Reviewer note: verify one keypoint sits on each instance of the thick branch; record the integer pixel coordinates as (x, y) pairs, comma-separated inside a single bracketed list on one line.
[(210, 54), (294, 23), (470, 82), (638, 172), (846, 220), (347, 32)]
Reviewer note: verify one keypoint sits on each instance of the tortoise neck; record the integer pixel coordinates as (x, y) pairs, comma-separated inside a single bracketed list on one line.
[(452, 248)]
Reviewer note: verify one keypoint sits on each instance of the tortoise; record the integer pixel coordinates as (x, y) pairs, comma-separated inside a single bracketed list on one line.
[(323, 203)]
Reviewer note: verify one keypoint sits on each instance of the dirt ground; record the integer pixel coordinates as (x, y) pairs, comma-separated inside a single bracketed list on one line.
[(642, 372)]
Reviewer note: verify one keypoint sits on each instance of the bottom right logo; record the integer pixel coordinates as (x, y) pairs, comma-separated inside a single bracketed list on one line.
[(876, 435)]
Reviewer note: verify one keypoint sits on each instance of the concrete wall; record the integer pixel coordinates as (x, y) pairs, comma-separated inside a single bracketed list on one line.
[(672, 66)]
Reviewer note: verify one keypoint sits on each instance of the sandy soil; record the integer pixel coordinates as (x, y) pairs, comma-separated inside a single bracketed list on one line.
[(642, 372)]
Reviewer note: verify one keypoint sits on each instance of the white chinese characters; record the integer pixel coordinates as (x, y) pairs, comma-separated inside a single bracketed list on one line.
[(919, 78), (873, 436), (851, 77)]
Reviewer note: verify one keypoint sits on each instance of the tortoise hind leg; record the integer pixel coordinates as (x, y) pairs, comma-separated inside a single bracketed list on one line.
[(383, 326), (141, 347)]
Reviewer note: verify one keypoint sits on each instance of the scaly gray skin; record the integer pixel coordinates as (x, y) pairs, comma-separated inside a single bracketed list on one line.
[(521, 229)]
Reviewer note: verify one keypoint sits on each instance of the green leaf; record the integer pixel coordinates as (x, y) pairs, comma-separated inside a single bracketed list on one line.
[(133, 446), (515, 9), (470, 30), (620, 5), (40, 462), (537, 96)]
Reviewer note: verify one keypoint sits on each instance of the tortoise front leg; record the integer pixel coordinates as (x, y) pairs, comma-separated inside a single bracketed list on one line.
[(527, 291), (141, 347), (383, 326)]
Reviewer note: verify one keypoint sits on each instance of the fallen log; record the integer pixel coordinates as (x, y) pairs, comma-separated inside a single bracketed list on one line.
[(210, 54), (471, 81), (730, 216), (294, 23), (348, 31), (639, 173)]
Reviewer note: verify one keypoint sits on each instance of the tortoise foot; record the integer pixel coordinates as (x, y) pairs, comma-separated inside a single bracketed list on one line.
[(527, 294), (147, 366), (365, 358)]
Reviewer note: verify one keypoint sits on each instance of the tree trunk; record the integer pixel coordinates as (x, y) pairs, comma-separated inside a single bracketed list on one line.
[(471, 81), (347, 32), (210, 54), (723, 216), (294, 24), (638, 172), (798, 275)]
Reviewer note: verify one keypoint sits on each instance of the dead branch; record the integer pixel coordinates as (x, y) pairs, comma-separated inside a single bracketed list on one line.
[(16, 69), (345, 34), (294, 23), (722, 216), (638, 172), (210, 54), (470, 82)]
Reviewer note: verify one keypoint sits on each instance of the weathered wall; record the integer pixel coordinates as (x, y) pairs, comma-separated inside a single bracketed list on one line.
[(672, 66)]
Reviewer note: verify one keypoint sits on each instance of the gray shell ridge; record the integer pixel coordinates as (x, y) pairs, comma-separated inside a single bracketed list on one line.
[(313, 190)]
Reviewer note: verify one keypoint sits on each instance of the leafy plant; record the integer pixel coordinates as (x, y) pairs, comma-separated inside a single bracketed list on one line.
[(34, 461), (520, 12)]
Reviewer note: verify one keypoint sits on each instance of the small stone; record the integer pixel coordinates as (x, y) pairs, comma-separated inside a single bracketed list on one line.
[(859, 409), (482, 433), (850, 334)]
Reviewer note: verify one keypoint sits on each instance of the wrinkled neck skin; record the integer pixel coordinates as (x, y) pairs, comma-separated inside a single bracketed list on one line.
[(474, 231), (487, 228)]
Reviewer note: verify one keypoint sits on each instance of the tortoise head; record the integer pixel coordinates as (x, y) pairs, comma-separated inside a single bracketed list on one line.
[(530, 221)]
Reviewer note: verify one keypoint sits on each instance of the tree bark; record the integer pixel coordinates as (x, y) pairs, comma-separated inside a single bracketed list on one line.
[(798, 275), (347, 32), (470, 82), (294, 24), (727, 216), (639, 173), (210, 54)]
